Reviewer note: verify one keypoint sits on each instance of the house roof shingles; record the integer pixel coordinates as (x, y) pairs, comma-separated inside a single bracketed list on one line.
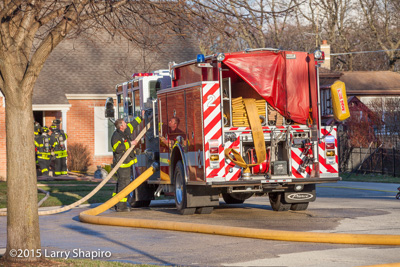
[(87, 66), (371, 82)]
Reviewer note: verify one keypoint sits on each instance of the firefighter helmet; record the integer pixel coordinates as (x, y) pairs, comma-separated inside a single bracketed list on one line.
[(37, 127), (53, 127), (45, 129)]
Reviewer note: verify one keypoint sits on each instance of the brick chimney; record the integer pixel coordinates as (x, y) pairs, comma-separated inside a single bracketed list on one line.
[(326, 48)]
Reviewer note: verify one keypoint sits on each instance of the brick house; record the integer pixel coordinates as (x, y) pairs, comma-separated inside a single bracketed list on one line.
[(78, 77)]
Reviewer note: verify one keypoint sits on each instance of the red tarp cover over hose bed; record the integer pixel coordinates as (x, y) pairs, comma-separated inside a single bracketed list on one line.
[(280, 78)]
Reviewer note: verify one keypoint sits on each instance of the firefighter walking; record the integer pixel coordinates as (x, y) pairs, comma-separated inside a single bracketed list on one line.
[(58, 142), (121, 141)]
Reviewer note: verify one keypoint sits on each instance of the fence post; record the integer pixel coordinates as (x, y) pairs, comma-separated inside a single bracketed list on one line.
[(360, 159), (382, 159), (394, 162), (370, 160)]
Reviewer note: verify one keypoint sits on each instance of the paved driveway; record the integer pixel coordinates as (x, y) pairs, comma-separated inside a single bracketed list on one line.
[(344, 207)]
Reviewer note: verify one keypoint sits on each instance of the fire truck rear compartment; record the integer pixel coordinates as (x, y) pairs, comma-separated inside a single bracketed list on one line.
[(235, 88)]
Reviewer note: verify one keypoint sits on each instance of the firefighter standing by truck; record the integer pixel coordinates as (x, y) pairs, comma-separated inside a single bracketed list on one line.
[(58, 142), (121, 141)]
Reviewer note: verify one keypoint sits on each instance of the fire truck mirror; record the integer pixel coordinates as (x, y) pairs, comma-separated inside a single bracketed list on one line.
[(109, 108)]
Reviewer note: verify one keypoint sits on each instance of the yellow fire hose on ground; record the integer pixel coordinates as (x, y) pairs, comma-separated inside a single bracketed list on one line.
[(89, 216)]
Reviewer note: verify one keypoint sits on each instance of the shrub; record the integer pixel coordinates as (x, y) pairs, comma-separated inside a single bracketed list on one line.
[(79, 158)]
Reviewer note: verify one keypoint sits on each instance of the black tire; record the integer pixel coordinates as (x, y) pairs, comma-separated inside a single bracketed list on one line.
[(236, 198), (181, 191), (140, 203), (398, 195), (204, 210), (278, 202), (299, 206)]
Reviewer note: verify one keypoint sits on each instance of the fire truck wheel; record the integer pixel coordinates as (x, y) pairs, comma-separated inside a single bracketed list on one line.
[(232, 198), (398, 195), (181, 191), (299, 206), (278, 203)]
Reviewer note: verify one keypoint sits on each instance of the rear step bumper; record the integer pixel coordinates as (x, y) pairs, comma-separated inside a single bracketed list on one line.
[(276, 181)]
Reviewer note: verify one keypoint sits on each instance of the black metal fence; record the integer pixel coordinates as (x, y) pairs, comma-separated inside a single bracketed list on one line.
[(372, 159)]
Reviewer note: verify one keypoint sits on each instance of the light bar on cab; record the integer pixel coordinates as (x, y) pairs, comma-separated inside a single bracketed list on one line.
[(141, 74)]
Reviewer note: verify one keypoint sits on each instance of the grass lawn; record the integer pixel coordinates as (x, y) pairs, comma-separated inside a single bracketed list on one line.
[(372, 178), (68, 193)]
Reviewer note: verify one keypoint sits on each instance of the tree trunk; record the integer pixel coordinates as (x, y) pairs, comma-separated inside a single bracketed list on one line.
[(23, 235)]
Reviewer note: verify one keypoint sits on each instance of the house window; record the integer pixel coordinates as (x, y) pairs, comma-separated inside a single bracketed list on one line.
[(326, 102), (103, 130)]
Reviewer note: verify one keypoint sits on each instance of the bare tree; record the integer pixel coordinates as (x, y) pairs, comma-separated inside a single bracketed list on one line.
[(231, 25), (29, 32), (388, 123), (382, 18)]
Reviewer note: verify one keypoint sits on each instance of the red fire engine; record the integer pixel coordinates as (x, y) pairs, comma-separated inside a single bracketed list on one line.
[(235, 124)]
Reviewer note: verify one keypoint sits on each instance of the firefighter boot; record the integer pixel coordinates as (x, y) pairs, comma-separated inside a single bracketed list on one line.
[(122, 207)]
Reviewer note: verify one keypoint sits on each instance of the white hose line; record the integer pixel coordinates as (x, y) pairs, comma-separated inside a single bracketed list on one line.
[(3, 212), (45, 198)]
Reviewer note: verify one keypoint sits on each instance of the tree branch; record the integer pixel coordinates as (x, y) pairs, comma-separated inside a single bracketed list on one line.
[(27, 21), (9, 8), (104, 11)]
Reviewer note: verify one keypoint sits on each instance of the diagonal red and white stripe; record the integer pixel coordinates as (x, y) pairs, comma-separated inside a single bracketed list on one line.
[(212, 124), (323, 166)]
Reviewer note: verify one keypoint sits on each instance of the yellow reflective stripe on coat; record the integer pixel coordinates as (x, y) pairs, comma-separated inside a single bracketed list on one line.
[(130, 127), (43, 155), (139, 120), (37, 144), (122, 200), (130, 163), (126, 145), (116, 145), (61, 154)]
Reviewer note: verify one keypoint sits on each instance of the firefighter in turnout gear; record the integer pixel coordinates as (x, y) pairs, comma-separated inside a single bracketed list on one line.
[(37, 137), (58, 142), (42, 143), (121, 141)]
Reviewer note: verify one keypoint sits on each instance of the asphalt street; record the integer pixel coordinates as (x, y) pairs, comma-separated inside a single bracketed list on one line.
[(343, 207)]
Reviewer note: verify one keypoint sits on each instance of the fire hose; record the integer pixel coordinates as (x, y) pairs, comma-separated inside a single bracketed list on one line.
[(258, 137), (89, 216), (3, 212)]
